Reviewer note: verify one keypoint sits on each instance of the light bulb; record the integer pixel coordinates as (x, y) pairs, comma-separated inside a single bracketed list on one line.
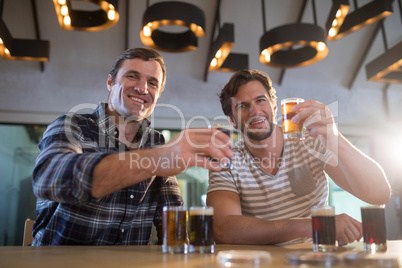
[(62, 2), (214, 62), (111, 14), (331, 32), (1, 41), (321, 46), (64, 10), (334, 23), (67, 20), (267, 57), (338, 13), (218, 54), (7, 51), (147, 31)]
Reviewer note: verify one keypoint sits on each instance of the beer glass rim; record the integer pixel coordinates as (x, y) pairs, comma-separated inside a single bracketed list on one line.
[(328, 209), (174, 208), (372, 206), (286, 100)]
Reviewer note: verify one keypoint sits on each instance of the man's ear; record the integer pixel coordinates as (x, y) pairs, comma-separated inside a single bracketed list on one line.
[(232, 122), (109, 83)]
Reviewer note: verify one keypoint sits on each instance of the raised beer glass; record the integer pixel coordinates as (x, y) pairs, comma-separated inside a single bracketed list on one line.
[(324, 232), (291, 131), (174, 229), (374, 229), (201, 230)]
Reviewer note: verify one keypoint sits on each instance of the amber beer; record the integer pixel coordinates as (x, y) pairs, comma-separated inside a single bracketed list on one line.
[(174, 230), (291, 131), (201, 229), (374, 230), (324, 232)]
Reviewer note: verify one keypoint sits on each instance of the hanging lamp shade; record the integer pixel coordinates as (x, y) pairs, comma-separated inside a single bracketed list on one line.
[(83, 20), (336, 17), (22, 49), (172, 14), (365, 15), (275, 44)]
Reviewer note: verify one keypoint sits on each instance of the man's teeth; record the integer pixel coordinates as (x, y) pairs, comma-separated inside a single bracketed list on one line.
[(257, 122), (136, 99)]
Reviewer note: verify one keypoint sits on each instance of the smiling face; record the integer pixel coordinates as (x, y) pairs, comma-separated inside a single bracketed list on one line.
[(253, 112), (136, 89)]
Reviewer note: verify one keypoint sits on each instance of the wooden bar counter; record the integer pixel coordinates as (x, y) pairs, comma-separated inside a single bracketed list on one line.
[(151, 256)]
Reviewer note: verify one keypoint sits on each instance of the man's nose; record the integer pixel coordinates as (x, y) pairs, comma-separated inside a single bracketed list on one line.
[(253, 109), (142, 87)]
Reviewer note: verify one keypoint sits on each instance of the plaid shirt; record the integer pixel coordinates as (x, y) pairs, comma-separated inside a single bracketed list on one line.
[(66, 211)]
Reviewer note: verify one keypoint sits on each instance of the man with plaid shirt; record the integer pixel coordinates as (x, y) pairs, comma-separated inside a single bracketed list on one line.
[(103, 178)]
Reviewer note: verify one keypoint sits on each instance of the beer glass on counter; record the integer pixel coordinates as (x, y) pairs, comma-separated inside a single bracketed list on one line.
[(174, 229), (201, 229), (324, 232), (291, 131), (374, 229)]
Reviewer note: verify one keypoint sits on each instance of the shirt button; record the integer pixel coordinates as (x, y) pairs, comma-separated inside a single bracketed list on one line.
[(122, 230), (131, 196)]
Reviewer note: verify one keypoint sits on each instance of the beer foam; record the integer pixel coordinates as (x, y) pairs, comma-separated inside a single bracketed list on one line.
[(202, 211), (322, 211)]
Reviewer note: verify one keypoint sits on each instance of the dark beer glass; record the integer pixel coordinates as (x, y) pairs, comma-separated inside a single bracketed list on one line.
[(291, 131), (201, 229), (175, 229), (374, 229), (324, 232)]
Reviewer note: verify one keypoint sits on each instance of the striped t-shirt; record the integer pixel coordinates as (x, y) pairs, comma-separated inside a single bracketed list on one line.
[(299, 184)]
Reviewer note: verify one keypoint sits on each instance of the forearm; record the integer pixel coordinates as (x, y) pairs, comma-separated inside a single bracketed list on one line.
[(359, 174), (251, 230), (118, 171)]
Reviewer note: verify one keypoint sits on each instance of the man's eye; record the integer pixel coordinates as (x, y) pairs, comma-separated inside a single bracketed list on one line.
[(239, 107), (261, 100)]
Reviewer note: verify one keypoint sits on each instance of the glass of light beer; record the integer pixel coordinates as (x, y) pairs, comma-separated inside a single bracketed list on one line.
[(175, 229), (201, 230), (324, 232), (374, 229), (291, 131)]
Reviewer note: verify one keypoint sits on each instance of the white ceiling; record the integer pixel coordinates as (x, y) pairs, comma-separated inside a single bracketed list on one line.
[(79, 61)]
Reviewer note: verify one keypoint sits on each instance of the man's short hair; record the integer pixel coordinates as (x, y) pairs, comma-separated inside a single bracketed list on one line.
[(146, 54), (240, 78)]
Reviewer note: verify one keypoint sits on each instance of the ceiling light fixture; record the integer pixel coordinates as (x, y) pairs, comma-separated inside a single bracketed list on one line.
[(336, 17), (310, 40), (84, 20), (179, 15), (21, 49), (387, 67), (365, 15)]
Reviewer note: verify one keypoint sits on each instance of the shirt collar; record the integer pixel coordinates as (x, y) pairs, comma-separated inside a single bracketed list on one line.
[(107, 126)]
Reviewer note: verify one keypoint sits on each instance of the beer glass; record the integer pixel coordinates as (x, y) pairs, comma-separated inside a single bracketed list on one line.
[(201, 229), (324, 232), (174, 229), (374, 230), (291, 131)]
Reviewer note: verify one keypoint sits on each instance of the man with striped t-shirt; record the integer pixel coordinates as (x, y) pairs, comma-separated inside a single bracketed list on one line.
[(267, 196)]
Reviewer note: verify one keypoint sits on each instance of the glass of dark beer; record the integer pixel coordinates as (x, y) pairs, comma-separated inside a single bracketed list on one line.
[(291, 131), (175, 229), (324, 232), (374, 230), (201, 230)]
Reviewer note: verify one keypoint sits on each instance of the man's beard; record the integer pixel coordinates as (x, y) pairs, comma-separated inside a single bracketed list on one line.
[(259, 134)]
